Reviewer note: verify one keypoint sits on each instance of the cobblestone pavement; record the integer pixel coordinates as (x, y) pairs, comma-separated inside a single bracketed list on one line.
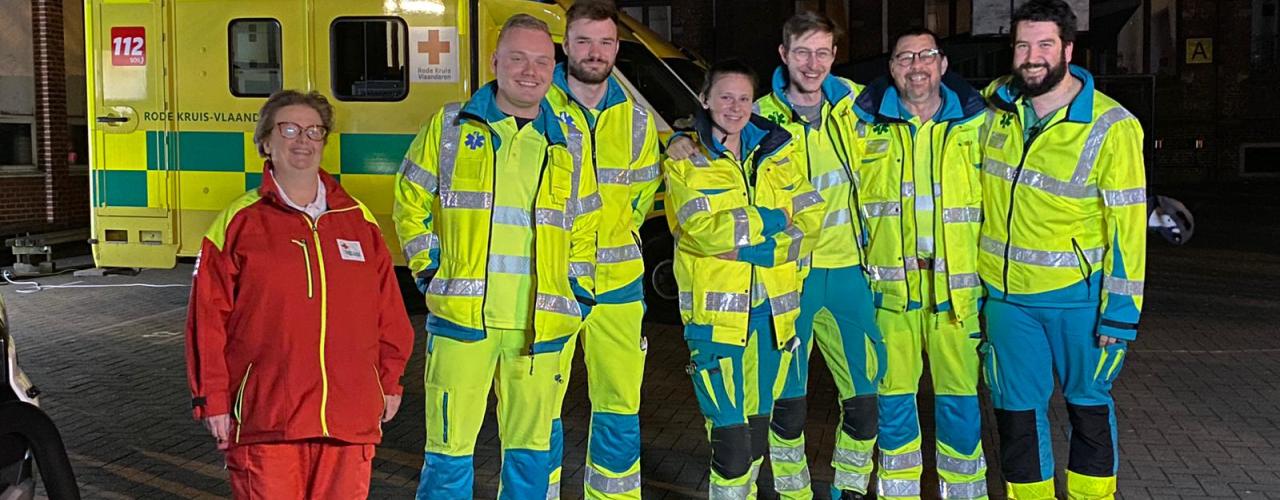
[(1199, 400)]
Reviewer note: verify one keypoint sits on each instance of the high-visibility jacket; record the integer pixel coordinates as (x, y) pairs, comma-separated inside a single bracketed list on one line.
[(1066, 210), (447, 222), (295, 327), (623, 149), (825, 156), (735, 249), (886, 148)]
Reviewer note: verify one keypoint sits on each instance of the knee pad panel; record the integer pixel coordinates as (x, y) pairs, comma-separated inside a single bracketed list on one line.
[(1019, 445), (1092, 450), (788, 418), (759, 436), (861, 417), (731, 450)]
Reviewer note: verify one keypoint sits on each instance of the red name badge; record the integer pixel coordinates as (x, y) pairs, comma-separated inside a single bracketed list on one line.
[(129, 46)]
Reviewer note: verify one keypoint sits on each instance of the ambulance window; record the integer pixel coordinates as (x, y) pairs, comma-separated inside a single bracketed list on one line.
[(368, 58), (664, 90), (255, 57)]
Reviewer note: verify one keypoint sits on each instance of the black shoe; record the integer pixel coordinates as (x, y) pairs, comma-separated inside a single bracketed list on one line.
[(852, 495)]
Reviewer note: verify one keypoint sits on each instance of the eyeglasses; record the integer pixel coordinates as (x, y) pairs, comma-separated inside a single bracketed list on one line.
[(925, 56), (289, 130), (806, 54)]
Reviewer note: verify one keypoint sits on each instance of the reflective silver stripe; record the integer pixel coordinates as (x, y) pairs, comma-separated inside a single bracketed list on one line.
[(512, 216), (699, 160), (1122, 286), (886, 273), (962, 491), (575, 148), (958, 281), (785, 303), (550, 217), (723, 492), (940, 265), (449, 137), (881, 209), (852, 458), (850, 481), (805, 261), (418, 175), (686, 301), (833, 178), (805, 200), (861, 128), (580, 206), (1037, 180), (786, 453), (692, 207), (1041, 257), (797, 238), (613, 255), (456, 287), (758, 291), (613, 176), (419, 244), (580, 269), (466, 199), (898, 487), (793, 482), (556, 304), (838, 218), (639, 125), (611, 485), (900, 462), (959, 215), (646, 174), (553, 491), (908, 189), (727, 302), (1124, 197), (741, 227), (782, 161), (510, 264), (963, 466), (1093, 143)]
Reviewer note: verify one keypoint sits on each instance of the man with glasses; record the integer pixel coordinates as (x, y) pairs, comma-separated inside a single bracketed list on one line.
[(835, 306), (919, 169), (1063, 256), (494, 210)]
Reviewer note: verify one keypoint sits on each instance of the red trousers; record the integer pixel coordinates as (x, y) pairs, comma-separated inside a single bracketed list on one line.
[(311, 469)]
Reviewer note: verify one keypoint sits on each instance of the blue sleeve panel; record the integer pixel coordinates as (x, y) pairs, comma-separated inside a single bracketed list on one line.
[(1120, 312), (774, 220), (761, 255)]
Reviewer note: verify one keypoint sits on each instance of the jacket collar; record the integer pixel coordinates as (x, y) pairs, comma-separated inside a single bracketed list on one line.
[(834, 89), (879, 102), (1080, 109), (336, 197), (760, 136), (483, 108), (613, 96)]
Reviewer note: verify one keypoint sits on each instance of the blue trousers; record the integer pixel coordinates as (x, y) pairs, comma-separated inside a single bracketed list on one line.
[(1028, 347)]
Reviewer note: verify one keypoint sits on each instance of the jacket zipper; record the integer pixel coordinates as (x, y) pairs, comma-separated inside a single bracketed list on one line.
[(381, 393), (306, 254), (902, 212), (324, 313), (240, 401), (1085, 267), (1013, 188)]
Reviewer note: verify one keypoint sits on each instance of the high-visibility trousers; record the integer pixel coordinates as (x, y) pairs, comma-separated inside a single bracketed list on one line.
[(837, 313), (736, 387), (459, 375), (1028, 347), (952, 349), (313, 468), (614, 350)]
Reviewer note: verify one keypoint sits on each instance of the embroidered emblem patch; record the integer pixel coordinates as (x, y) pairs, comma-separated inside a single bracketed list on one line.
[(475, 141)]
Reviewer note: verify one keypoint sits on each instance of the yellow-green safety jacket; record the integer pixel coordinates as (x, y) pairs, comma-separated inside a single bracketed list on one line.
[(623, 149), (1066, 209), (735, 250), (886, 172), (825, 156), (445, 217)]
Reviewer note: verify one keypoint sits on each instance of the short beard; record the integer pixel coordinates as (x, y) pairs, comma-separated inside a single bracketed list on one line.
[(581, 74), (1051, 79)]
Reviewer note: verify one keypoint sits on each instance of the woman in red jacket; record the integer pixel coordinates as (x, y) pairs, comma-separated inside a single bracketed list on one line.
[(296, 332)]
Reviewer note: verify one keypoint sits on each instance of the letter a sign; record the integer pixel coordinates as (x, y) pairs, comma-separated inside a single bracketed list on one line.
[(1199, 50)]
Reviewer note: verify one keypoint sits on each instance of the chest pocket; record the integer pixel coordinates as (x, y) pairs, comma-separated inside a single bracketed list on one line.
[(721, 184), (560, 173), (473, 163)]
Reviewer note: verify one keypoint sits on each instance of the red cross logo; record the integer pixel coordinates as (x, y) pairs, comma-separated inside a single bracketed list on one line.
[(433, 47)]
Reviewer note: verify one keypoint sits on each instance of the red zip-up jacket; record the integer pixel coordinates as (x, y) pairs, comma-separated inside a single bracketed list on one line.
[(296, 327)]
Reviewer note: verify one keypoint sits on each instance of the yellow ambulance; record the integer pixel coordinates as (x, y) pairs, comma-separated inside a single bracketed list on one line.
[(176, 85)]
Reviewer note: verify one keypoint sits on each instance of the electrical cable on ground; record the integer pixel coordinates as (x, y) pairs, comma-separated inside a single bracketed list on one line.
[(76, 284)]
